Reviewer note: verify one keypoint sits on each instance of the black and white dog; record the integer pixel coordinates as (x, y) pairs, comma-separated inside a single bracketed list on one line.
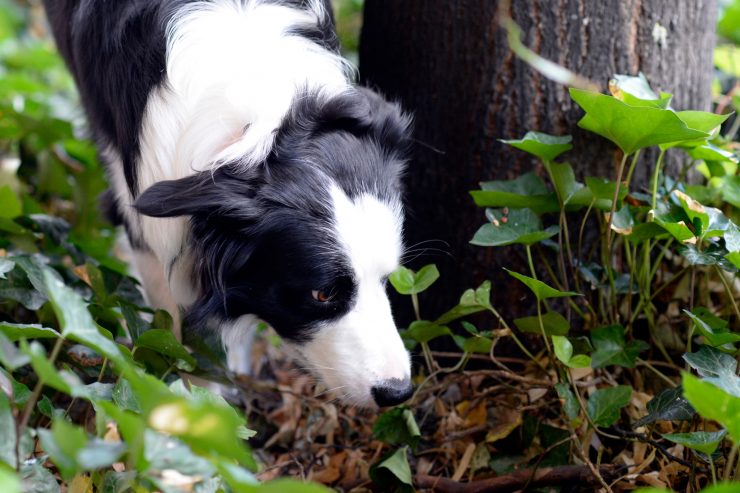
[(255, 181)]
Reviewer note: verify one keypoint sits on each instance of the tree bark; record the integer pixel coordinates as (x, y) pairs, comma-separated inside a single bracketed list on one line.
[(449, 63)]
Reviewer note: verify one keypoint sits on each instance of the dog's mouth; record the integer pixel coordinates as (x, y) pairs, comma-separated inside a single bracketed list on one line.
[(353, 382)]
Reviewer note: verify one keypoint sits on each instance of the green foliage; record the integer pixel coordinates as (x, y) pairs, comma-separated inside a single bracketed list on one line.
[(397, 427), (604, 404), (407, 281)]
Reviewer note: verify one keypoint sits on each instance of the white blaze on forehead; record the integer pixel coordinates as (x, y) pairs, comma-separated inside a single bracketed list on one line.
[(370, 231)]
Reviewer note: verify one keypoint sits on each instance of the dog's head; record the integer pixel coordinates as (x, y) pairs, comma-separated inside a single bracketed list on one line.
[(307, 239)]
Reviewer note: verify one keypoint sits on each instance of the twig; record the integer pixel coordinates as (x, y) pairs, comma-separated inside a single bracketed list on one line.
[(511, 376), (551, 476)]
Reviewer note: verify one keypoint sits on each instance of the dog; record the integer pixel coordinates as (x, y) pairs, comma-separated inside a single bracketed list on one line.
[(254, 180)]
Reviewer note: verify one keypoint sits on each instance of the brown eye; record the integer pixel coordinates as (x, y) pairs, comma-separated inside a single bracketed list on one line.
[(322, 296)]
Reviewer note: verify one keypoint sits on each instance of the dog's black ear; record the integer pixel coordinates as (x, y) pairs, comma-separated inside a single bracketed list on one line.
[(218, 193), (184, 197)]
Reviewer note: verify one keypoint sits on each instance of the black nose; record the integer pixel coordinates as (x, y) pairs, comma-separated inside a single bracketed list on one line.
[(392, 391)]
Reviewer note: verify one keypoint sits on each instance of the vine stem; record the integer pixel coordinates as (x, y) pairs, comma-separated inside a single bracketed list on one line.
[(26, 416), (730, 460), (728, 289), (656, 175), (657, 372), (428, 358)]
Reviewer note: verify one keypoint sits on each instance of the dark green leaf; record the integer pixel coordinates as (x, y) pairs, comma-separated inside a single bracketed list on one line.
[(393, 472), (553, 322), (164, 342), (714, 336), (526, 191), (424, 331), (611, 349), (520, 226), (571, 408), (477, 344), (604, 405), (397, 427), (539, 288), (668, 405)]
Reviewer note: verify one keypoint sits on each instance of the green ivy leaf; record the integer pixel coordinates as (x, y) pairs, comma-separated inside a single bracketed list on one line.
[(554, 323), (164, 342), (716, 367), (716, 336), (10, 357), (611, 349), (711, 402), (667, 405), (564, 352), (544, 146), (393, 472), (472, 301), (477, 344), (16, 332), (424, 331), (397, 427), (540, 289), (705, 442), (8, 435), (9, 482), (409, 282), (10, 206), (571, 408), (519, 226), (604, 405), (526, 191), (631, 127), (6, 265), (69, 449)]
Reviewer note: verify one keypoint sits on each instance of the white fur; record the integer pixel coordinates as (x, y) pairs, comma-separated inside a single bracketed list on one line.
[(363, 348), (233, 71), (237, 337)]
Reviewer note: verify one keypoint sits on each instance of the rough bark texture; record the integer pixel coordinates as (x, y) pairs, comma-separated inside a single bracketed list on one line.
[(448, 62)]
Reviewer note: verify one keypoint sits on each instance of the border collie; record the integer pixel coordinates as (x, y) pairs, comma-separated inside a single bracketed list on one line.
[(254, 180)]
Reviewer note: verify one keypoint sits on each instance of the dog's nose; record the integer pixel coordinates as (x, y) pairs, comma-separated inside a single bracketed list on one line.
[(392, 391)]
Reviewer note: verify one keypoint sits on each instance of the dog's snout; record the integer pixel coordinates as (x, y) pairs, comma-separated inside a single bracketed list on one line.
[(392, 392)]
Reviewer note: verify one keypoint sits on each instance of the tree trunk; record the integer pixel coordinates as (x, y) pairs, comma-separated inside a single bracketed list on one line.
[(449, 63)]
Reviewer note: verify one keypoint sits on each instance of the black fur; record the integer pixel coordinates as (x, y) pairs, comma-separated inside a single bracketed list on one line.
[(261, 234), (258, 234)]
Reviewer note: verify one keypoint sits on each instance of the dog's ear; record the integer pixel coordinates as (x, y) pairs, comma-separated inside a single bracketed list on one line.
[(216, 193), (173, 198)]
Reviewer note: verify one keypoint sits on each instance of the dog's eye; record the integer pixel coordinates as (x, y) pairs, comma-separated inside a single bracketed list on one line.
[(323, 296)]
